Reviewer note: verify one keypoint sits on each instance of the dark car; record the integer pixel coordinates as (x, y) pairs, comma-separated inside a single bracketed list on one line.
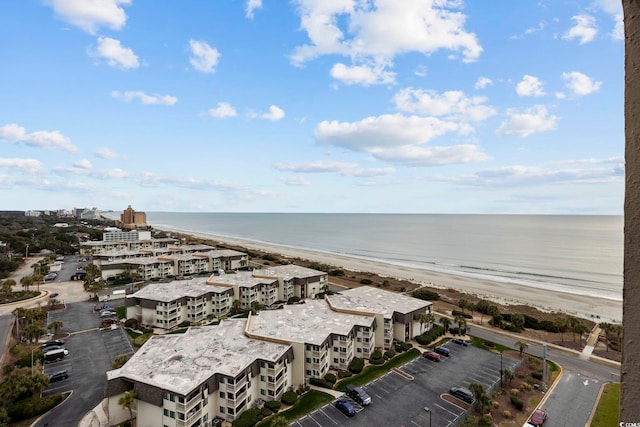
[(53, 295), (58, 376), (358, 394), (538, 418), (52, 343), (52, 347), (463, 394), (108, 322), (345, 407), (459, 341), (442, 350), (431, 355)]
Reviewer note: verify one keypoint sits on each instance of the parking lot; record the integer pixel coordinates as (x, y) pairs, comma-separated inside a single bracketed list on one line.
[(91, 353), (399, 400)]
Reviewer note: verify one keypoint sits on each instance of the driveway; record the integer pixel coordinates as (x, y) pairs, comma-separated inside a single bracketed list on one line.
[(399, 400)]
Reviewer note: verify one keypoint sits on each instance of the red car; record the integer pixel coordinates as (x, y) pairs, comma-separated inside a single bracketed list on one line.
[(431, 355), (538, 418)]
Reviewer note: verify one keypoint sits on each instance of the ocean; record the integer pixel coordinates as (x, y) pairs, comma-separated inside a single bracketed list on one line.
[(580, 254)]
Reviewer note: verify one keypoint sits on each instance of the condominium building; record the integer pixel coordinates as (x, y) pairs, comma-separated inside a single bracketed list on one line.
[(130, 219)]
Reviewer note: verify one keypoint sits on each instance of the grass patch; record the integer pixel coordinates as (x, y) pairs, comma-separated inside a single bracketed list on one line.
[(488, 345), (122, 312), (608, 409), (308, 402), (133, 334), (372, 372)]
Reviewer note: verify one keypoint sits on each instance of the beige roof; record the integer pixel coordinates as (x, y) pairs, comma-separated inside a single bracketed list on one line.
[(373, 300)]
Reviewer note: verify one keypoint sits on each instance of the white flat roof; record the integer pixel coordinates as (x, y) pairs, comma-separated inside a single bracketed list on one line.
[(311, 322), (181, 362), (288, 272), (244, 279), (370, 299), (176, 289)]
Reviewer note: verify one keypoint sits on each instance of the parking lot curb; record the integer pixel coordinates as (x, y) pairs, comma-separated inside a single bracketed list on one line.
[(593, 410)]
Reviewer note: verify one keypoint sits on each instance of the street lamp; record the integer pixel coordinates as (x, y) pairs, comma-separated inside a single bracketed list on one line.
[(501, 371), (32, 361), (427, 410)]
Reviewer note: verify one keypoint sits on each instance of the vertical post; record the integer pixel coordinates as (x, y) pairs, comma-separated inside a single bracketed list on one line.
[(544, 367), (501, 370), (32, 361), (427, 410)]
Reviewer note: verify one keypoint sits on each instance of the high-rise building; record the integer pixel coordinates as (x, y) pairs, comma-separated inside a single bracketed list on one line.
[(132, 219)]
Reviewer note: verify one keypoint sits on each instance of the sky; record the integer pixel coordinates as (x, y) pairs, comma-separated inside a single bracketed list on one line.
[(385, 106)]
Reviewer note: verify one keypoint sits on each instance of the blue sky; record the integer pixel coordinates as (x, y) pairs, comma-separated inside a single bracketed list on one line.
[(416, 106)]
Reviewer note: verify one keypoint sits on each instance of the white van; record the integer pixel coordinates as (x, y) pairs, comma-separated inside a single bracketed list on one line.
[(55, 355)]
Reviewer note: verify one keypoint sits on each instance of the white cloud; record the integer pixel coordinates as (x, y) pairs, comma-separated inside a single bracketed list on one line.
[(108, 154), (28, 166), (584, 29), (204, 58), (130, 95), (275, 114), (614, 9), (416, 155), (374, 32), (362, 74), (251, 6), (89, 15), (296, 181), (532, 120), (483, 82), (449, 104), (83, 164), (580, 84), (115, 54), (81, 169), (42, 139), (342, 168), (530, 86), (222, 111)]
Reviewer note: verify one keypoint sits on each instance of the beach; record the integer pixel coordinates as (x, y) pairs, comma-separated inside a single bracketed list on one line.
[(501, 292)]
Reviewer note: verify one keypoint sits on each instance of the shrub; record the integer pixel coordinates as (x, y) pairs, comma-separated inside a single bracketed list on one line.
[(293, 300), (506, 414), (403, 346), (146, 330), (424, 339), (356, 365), (32, 406), (537, 375), (289, 397), (131, 323), (517, 403), (344, 374), (319, 382), (525, 387), (273, 405), (514, 391), (265, 412), (389, 354), (425, 294), (330, 378), (485, 421), (366, 281), (248, 418), (455, 313), (140, 340), (336, 273)]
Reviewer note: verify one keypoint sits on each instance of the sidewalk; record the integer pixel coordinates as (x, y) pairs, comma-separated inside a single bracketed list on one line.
[(97, 417), (592, 341)]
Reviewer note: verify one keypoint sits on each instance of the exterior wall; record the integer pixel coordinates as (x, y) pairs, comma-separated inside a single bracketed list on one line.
[(117, 414), (148, 415), (316, 359), (297, 369), (365, 341)]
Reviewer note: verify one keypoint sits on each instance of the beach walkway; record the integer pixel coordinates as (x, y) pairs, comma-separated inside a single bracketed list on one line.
[(592, 341)]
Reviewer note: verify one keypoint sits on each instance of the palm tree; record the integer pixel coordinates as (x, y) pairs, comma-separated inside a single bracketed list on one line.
[(26, 281), (445, 322), (508, 375), (127, 400), (522, 346), (56, 325), (606, 328), (422, 318), (462, 323), (561, 324), (576, 327), (279, 421), (463, 303), (517, 320), (431, 318)]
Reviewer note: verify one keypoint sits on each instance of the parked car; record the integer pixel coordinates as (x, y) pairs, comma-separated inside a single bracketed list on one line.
[(52, 348), (345, 407), (50, 276), (431, 355), (459, 341), (463, 394), (55, 355), (108, 313), (58, 376), (52, 343), (53, 295), (358, 394), (442, 350), (538, 418), (108, 322)]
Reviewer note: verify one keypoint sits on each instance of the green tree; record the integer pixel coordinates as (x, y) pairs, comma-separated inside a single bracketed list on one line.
[(56, 325), (463, 304), (517, 320), (482, 307), (120, 360), (423, 319), (561, 324), (127, 400), (445, 322), (33, 332), (279, 421), (26, 282), (508, 375), (576, 326), (493, 311), (606, 328), (462, 324), (7, 288)]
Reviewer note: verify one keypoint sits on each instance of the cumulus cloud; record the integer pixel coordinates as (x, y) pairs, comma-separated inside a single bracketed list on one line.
[(222, 111), (115, 54), (580, 84), (450, 104), (130, 95), (614, 9), (107, 154), (483, 82), (41, 139), (82, 170), (418, 155), (296, 181), (89, 15), (251, 6), (83, 164), (362, 74), (524, 124), (377, 31), (530, 86), (584, 29), (28, 166), (204, 58), (275, 114), (341, 168)]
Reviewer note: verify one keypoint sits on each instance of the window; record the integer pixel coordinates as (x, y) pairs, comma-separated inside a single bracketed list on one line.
[(222, 394), (222, 409)]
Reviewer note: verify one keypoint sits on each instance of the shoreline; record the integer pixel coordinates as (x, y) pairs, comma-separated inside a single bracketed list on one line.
[(598, 309)]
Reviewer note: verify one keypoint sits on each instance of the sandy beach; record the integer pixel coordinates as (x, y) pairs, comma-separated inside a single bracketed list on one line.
[(584, 306)]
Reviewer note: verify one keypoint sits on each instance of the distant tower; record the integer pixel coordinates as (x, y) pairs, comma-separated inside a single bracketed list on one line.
[(132, 219)]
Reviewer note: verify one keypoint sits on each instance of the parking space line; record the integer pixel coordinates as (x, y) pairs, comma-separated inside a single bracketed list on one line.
[(446, 410)]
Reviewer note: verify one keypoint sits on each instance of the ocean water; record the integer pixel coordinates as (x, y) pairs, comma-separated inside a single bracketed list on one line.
[(573, 253)]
